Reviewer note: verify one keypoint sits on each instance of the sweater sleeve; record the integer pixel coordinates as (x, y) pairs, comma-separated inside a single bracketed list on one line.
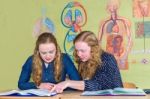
[(70, 68), (106, 77), (24, 79)]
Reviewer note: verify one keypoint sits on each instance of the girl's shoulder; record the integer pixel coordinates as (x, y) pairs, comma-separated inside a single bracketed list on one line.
[(30, 58), (65, 56), (106, 56)]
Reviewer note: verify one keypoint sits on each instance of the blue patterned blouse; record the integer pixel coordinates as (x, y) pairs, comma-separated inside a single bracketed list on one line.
[(106, 77)]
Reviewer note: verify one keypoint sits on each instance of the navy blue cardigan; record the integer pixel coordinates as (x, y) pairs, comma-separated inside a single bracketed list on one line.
[(69, 69)]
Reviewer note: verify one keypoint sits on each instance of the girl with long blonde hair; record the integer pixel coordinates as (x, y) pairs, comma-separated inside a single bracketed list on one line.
[(97, 68), (47, 66)]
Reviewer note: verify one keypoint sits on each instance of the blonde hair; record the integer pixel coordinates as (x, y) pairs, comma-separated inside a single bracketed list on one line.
[(87, 69), (37, 61)]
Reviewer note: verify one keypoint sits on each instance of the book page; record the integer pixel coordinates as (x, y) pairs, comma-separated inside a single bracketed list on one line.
[(13, 92), (40, 92), (36, 92), (128, 91), (99, 92), (115, 92)]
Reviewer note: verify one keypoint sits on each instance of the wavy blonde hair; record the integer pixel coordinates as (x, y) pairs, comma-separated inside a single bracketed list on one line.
[(87, 69), (37, 61)]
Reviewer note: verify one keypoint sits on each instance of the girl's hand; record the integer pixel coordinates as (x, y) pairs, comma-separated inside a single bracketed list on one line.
[(47, 86), (59, 88)]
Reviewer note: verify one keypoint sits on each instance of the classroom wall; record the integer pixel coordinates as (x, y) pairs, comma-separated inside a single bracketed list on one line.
[(17, 21)]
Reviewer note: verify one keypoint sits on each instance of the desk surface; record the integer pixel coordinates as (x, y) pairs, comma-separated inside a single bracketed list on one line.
[(76, 95)]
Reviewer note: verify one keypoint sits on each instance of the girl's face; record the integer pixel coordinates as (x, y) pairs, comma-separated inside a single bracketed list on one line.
[(83, 51), (47, 52)]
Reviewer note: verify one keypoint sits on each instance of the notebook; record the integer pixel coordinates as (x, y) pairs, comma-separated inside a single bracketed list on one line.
[(29, 92), (147, 91), (115, 92)]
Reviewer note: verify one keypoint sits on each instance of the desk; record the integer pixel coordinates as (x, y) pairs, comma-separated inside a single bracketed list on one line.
[(76, 95)]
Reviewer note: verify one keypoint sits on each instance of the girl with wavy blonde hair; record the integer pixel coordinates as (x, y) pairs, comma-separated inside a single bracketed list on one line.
[(97, 68), (88, 68), (47, 65), (37, 60)]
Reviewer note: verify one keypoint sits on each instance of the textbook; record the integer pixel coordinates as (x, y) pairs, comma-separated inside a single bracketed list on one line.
[(29, 92), (147, 91), (115, 92)]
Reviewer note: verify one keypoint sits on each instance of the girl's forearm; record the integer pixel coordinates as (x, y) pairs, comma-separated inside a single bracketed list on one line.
[(79, 85)]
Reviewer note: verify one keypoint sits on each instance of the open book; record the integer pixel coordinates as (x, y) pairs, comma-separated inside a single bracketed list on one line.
[(29, 92), (115, 92)]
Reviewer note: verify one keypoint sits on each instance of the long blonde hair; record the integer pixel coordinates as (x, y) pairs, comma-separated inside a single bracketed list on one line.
[(37, 61), (87, 69)]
